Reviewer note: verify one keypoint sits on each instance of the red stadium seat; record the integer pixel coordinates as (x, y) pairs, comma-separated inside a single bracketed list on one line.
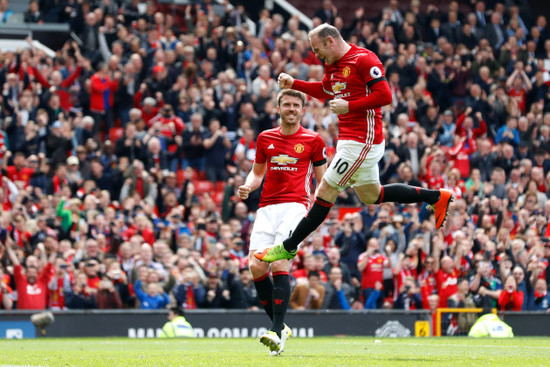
[(201, 175), (115, 133), (202, 187), (220, 186), (218, 197), (345, 210), (180, 176)]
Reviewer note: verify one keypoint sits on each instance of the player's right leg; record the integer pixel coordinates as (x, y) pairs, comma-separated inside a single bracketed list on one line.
[(262, 283)]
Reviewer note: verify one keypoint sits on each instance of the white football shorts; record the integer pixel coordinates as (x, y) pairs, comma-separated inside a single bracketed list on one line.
[(354, 164), (274, 223)]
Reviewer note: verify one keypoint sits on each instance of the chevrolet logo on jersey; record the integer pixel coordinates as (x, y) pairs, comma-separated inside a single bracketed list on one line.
[(284, 159), (337, 87)]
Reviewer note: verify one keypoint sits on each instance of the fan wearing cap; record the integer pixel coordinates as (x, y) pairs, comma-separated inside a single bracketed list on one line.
[(159, 82), (74, 177)]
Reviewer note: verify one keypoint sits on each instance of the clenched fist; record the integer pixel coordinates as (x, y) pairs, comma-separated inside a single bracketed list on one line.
[(285, 81), (244, 191)]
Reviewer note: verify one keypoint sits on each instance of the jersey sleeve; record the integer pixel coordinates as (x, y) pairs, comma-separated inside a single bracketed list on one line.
[(314, 89), (319, 153), (370, 69), (260, 152)]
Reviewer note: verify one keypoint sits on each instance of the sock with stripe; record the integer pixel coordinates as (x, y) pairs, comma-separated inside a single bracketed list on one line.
[(308, 224), (264, 287), (405, 194), (281, 298)]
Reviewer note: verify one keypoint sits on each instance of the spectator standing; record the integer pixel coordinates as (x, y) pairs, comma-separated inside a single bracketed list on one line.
[(371, 264), (102, 90), (216, 148), (32, 287), (193, 144)]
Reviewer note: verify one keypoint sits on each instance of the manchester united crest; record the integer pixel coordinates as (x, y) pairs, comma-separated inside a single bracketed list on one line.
[(346, 72), (299, 148)]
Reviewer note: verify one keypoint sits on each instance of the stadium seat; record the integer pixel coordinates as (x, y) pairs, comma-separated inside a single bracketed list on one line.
[(220, 186), (202, 186), (342, 211), (180, 176), (115, 133), (201, 175), (218, 197)]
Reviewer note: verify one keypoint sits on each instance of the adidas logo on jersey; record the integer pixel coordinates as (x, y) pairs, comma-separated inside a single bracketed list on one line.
[(271, 147)]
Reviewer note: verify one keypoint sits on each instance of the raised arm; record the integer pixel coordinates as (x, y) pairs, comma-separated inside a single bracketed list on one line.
[(11, 253), (314, 89)]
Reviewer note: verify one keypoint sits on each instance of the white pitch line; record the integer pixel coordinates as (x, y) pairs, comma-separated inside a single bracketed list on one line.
[(462, 345)]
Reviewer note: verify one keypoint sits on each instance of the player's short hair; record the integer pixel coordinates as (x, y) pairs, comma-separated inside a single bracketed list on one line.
[(323, 31), (292, 93)]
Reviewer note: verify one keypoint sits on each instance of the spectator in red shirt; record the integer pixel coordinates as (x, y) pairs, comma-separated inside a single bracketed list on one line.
[(18, 173), (58, 85), (102, 90), (309, 266), (426, 279), (459, 154), (371, 264), (20, 235), (32, 287), (510, 298), (56, 284), (91, 269), (446, 274), (433, 177), (518, 85)]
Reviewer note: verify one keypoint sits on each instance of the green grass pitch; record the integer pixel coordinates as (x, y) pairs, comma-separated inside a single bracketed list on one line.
[(337, 351)]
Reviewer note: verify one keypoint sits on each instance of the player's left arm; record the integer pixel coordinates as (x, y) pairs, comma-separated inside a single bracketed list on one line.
[(372, 73)]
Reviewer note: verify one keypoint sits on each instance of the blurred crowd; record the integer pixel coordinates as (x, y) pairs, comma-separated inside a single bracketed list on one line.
[(121, 157)]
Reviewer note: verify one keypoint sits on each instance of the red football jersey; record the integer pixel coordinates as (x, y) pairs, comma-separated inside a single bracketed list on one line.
[(23, 175), (32, 296), (446, 285), (290, 160), (348, 79), (374, 271)]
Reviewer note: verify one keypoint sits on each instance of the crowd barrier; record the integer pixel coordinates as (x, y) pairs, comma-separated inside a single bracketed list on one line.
[(241, 324)]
